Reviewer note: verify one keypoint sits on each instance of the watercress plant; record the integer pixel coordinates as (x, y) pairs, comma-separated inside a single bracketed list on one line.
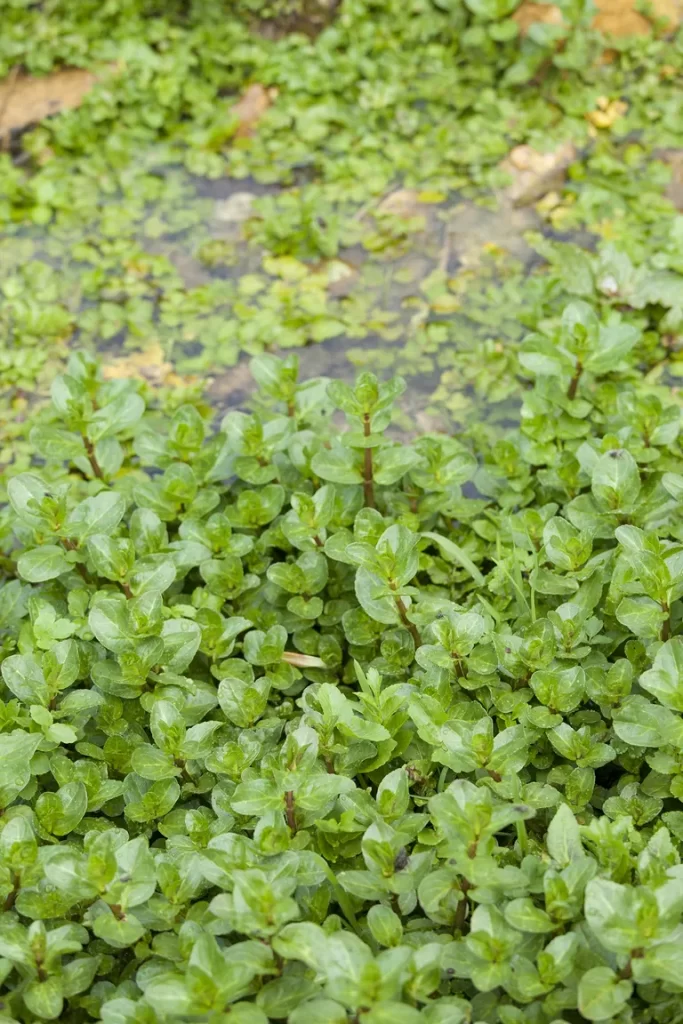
[(304, 720)]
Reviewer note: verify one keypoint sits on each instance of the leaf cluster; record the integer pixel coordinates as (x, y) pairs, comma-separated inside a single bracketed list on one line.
[(325, 725)]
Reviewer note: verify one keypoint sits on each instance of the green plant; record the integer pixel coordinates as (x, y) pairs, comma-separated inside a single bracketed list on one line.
[(295, 729)]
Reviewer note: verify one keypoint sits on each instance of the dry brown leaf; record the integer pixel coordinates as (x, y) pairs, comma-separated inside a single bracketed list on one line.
[(25, 100), (620, 18), (528, 14), (250, 108), (534, 174)]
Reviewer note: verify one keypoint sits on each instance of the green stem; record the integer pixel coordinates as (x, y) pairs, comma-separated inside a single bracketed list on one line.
[(522, 838), (343, 902)]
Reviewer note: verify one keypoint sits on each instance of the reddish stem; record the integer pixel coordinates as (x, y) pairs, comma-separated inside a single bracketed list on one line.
[(574, 383), (368, 484), (289, 811), (410, 626), (94, 464)]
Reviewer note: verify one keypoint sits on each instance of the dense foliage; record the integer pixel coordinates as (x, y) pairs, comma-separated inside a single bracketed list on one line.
[(311, 717), (324, 726)]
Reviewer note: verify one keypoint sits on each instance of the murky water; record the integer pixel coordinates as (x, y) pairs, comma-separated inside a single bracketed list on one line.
[(393, 295)]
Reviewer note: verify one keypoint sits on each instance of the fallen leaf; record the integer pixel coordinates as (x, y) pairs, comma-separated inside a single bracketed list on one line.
[(528, 14), (534, 174), (149, 365), (607, 112), (25, 100), (236, 208), (251, 107), (620, 17)]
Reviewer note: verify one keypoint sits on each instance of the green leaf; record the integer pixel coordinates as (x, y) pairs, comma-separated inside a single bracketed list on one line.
[(24, 677), (615, 481), (44, 563), (110, 622), (16, 750), (643, 724), (338, 464), (564, 838), (100, 514), (60, 812), (665, 679), (602, 995), (456, 554), (44, 998)]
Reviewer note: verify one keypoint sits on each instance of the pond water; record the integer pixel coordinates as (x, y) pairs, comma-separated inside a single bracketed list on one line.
[(189, 282)]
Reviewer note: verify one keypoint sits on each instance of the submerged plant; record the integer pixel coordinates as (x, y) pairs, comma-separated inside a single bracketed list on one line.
[(328, 726)]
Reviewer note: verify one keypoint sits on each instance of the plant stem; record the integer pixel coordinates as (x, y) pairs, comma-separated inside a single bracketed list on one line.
[(90, 452), (665, 632), (574, 383), (70, 546), (343, 901), (522, 838), (368, 484), (461, 912), (11, 897), (289, 810), (410, 626)]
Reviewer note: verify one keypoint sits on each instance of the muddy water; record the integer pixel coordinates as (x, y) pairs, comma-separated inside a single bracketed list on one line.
[(456, 237), (398, 283)]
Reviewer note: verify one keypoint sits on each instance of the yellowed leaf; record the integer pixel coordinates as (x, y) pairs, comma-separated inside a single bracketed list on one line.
[(607, 112), (446, 303), (149, 365)]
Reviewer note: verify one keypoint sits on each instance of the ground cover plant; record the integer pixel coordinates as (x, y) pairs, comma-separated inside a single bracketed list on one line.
[(333, 708), (102, 208), (304, 722)]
